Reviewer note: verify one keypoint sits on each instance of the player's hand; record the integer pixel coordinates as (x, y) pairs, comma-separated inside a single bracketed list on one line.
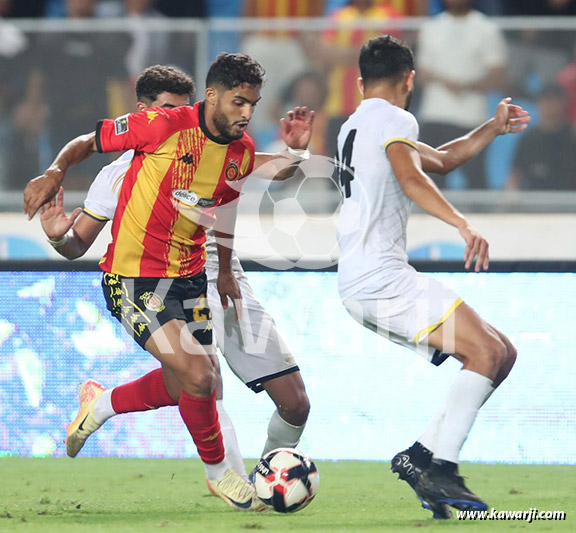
[(41, 190), (228, 288), (510, 118), (476, 248), (54, 221), (297, 128)]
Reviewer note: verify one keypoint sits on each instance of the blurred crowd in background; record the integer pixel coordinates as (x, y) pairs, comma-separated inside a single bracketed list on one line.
[(55, 85)]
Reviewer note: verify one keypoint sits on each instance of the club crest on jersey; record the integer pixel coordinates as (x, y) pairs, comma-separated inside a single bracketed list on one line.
[(186, 197), (152, 302), (121, 125), (232, 170), (151, 115)]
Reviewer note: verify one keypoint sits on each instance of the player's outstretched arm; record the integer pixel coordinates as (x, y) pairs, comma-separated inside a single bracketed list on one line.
[(57, 226), (508, 118), (45, 187), (417, 186), (296, 132)]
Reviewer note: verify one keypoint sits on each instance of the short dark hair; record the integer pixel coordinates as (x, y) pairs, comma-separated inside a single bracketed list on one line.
[(163, 79), (231, 70), (385, 58)]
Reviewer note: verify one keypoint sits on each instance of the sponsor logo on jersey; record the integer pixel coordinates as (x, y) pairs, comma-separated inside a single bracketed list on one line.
[(151, 115), (232, 170), (152, 302), (121, 125), (186, 197), (207, 202)]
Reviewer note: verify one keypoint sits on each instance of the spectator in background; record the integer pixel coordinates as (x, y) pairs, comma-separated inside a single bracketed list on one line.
[(279, 52), (539, 7), (546, 154), (307, 89), (337, 52), (82, 77), (182, 8), (538, 54), (567, 79), (147, 48), (461, 56), (18, 132), (26, 8), (405, 8)]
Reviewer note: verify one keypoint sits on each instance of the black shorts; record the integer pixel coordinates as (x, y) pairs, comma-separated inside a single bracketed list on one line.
[(143, 305)]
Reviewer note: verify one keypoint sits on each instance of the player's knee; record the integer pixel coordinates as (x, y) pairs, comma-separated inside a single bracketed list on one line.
[(493, 353), (509, 361), (197, 380), (295, 410), (511, 356)]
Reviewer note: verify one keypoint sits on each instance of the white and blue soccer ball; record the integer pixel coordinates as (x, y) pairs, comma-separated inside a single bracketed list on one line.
[(286, 479)]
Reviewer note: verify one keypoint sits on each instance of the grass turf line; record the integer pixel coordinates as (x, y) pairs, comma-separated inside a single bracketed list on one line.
[(61, 495)]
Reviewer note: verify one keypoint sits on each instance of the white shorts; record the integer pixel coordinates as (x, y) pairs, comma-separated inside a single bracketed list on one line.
[(407, 319), (252, 347)]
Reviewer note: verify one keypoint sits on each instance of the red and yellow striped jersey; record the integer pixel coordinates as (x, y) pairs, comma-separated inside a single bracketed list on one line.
[(179, 171)]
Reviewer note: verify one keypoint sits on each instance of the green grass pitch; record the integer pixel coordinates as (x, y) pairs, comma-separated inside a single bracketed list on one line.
[(141, 495)]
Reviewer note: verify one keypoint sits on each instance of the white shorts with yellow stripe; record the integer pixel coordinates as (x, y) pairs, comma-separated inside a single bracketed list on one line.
[(408, 319)]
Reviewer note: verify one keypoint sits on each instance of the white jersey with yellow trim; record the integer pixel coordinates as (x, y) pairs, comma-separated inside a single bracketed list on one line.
[(375, 210), (102, 199)]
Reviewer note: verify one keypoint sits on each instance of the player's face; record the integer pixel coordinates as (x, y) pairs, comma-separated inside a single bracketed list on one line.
[(234, 110)]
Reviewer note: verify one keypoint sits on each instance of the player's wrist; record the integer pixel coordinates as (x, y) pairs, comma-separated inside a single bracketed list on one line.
[(300, 153), (57, 241)]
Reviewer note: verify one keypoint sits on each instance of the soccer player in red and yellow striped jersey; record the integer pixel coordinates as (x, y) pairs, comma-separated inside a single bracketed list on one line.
[(177, 164), (184, 158)]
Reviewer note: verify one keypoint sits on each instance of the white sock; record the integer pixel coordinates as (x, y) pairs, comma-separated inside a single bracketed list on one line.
[(230, 441), (281, 434), (217, 471), (429, 438), (103, 409), (467, 394)]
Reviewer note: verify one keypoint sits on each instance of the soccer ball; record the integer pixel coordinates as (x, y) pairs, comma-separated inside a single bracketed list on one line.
[(286, 479)]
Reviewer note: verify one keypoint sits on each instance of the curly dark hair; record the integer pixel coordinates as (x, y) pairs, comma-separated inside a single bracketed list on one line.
[(385, 58), (231, 70), (162, 79)]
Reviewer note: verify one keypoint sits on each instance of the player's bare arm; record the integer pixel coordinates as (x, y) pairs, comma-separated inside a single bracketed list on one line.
[(508, 118), (57, 225), (296, 132), (417, 186), (227, 283), (45, 187)]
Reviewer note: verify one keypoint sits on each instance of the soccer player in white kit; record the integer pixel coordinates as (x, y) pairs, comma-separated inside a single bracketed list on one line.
[(381, 171)]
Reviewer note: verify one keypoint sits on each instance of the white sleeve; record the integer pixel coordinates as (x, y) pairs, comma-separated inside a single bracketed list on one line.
[(102, 198), (402, 129)]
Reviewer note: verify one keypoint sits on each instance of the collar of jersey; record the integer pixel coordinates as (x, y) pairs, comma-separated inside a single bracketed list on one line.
[(204, 128)]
